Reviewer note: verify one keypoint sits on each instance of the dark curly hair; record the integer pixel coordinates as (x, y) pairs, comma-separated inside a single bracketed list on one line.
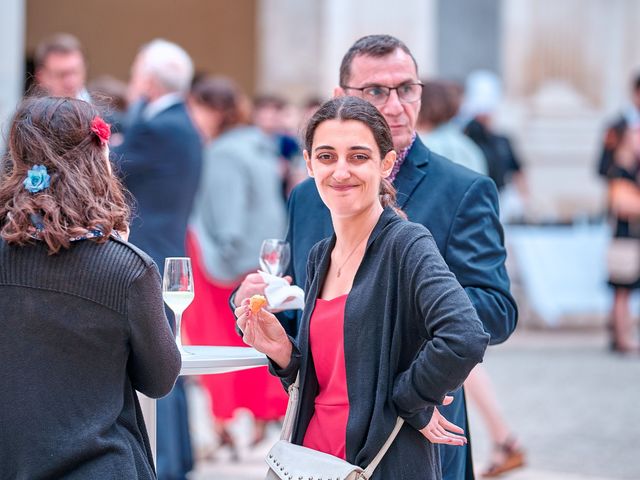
[(83, 194)]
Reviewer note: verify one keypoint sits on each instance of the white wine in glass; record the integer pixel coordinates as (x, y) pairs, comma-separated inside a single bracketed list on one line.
[(274, 256), (177, 290)]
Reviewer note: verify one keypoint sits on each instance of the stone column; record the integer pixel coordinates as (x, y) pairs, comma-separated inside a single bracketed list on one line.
[(288, 44), (301, 44), (412, 21), (12, 33), (621, 54), (468, 37)]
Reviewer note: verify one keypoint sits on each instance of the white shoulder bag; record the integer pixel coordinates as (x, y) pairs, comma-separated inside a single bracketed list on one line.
[(293, 462)]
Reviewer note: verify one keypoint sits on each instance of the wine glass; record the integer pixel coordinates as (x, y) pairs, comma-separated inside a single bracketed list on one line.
[(177, 290), (274, 256)]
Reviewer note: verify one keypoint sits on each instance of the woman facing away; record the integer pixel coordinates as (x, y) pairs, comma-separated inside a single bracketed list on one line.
[(387, 330), (81, 309)]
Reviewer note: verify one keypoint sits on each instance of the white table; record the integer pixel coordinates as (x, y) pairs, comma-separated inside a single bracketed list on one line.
[(204, 360), (208, 360), (562, 268)]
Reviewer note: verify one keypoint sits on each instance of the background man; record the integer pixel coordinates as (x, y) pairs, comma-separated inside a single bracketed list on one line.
[(160, 161), (60, 66)]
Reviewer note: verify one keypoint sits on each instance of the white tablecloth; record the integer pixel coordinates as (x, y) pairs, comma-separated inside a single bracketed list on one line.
[(562, 268)]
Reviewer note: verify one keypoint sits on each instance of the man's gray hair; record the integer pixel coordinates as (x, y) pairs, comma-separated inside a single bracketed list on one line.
[(169, 64)]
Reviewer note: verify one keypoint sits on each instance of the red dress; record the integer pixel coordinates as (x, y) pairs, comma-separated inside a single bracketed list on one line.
[(210, 321), (328, 427)]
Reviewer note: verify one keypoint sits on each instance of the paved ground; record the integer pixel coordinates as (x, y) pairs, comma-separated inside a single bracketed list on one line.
[(575, 407)]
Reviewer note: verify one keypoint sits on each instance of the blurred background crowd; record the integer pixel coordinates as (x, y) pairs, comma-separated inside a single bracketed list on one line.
[(542, 96)]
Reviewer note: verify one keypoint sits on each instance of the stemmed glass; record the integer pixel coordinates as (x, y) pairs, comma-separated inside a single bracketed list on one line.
[(274, 256), (177, 290)]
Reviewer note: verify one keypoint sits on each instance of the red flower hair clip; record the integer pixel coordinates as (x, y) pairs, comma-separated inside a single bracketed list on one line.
[(102, 129)]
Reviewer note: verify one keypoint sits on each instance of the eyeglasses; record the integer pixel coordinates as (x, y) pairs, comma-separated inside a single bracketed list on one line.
[(378, 94)]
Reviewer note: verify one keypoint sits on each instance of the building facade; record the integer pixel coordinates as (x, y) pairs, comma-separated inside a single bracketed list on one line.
[(566, 65)]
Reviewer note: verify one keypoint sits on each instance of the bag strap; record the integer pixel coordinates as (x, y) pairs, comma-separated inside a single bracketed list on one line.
[(368, 472), (290, 418), (292, 411)]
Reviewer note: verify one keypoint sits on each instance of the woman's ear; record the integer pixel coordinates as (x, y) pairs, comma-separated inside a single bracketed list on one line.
[(307, 161), (339, 92), (388, 162)]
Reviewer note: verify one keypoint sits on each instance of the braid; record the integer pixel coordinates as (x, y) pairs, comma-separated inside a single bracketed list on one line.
[(388, 197)]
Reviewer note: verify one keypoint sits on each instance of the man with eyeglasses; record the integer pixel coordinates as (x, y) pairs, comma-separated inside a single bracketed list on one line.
[(458, 206), (61, 68)]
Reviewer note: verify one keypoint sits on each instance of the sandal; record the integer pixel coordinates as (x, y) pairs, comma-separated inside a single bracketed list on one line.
[(226, 440), (259, 434), (204, 454), (511, 457), (624, 347)]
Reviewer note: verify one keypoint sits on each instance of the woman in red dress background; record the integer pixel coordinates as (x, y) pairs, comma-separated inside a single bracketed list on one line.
[(238, 204)]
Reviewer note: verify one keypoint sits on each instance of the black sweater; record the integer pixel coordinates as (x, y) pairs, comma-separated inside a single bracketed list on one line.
[(410, 336), (80, 331)]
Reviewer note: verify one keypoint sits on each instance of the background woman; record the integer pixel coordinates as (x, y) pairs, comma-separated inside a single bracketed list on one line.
[(438, 131), (622, 149), (81, 309), (387, 331), (238, 204)]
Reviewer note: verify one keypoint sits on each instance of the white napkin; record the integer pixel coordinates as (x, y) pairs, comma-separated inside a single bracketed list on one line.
[(278, 291)]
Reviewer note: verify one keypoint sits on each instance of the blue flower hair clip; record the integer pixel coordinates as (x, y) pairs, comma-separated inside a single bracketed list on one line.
[(37, 179)]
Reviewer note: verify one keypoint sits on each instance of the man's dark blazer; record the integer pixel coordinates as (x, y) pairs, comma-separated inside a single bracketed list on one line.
[(460, 208), (160, 162)]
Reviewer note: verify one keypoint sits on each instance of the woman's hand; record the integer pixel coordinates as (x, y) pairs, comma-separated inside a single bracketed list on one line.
[(253, 284), (624, 198), (440, 430), (263, 331)]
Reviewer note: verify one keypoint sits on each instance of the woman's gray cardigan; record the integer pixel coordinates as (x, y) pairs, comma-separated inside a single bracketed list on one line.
[(410, 337)]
